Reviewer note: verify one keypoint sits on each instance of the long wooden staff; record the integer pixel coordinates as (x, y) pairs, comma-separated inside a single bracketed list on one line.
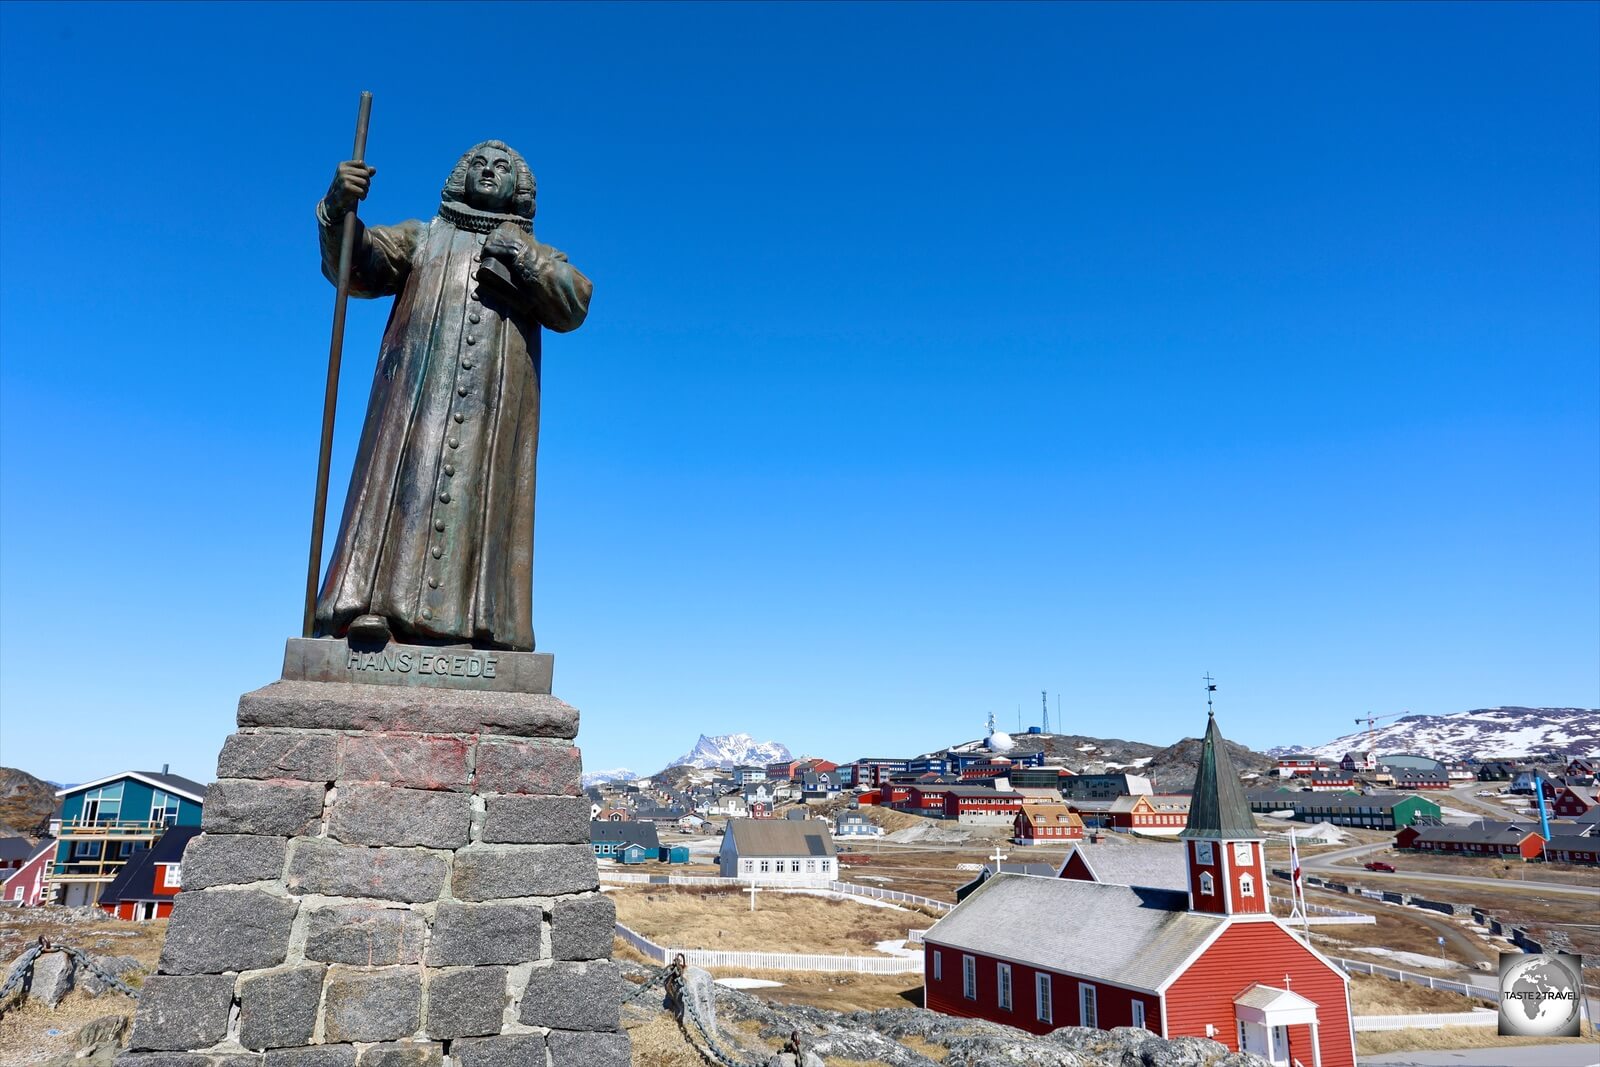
[(330, 396)]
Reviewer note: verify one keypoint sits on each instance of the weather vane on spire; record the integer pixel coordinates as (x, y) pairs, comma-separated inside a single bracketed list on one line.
[(1211, 687)]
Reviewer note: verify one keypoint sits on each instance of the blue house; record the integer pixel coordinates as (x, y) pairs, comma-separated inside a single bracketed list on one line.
[(633, 852), (610, 839), (673, 854), (107, 822)]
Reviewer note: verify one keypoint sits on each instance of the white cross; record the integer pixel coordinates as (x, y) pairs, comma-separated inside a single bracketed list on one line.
[(1286, 982), (997, 857), (753, 889)]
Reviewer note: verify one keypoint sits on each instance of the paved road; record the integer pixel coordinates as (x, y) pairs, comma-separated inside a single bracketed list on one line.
[(1325, 864), (1572, 1054)]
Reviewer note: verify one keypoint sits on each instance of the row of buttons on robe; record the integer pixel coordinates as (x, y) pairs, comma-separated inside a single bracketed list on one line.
[(473, 317)]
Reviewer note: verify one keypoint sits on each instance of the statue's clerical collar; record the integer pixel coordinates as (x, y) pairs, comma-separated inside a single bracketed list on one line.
[(466, 217)]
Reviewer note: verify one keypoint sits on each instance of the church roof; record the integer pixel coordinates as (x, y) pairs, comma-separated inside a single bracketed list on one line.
[(1218, 808)]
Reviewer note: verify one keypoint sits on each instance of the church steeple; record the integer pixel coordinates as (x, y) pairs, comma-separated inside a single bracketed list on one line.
[(1226, 872)]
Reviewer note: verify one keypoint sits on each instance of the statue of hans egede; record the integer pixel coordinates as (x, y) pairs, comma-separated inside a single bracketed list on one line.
[(436, 543)]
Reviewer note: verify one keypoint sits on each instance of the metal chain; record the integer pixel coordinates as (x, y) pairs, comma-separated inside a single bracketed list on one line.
[(639, 990), (24, 966), (717, 1052)]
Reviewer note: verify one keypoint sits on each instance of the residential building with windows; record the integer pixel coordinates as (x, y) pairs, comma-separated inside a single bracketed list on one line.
[(776, 851), (1206, 959), (1479, 839), (1375, 811), (610, 839), (1105, 786), (25, 885), (107, 822), (148, 883), (1045, 824)]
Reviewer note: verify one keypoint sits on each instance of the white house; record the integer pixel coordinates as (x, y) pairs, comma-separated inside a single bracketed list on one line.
[(778, 851)]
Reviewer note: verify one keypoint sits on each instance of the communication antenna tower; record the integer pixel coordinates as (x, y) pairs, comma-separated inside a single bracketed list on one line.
[(1044, 701)]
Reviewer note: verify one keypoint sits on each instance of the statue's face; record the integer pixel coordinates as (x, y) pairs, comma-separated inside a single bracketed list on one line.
[(491, 180)]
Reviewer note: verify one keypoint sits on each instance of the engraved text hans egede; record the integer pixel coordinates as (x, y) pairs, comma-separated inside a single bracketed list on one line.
[(455, 664)]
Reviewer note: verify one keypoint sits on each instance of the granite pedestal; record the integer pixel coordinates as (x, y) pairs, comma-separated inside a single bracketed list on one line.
[(395, 871)]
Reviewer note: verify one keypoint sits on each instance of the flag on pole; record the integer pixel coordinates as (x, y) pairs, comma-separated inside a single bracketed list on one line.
[(1297, 887)]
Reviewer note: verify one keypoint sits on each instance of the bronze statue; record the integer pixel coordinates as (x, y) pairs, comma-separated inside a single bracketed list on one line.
[(436, 543)]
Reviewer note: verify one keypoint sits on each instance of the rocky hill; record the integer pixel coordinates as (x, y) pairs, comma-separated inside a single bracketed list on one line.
[(1170, 769), (1485, 733), (26, 803)]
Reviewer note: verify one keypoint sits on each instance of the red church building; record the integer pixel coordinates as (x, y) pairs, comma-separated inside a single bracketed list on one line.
[(1205, 960)]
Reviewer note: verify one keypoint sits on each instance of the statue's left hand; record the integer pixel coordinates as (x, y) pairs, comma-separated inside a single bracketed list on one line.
[(506, 243)]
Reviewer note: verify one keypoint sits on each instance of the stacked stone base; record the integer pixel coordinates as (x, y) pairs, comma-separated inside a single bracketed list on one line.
[(389, 876)]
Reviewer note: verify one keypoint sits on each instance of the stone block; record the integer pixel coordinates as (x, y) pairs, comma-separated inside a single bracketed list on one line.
[(264, 808), (582, 928), (410, 875), (178, 1012), (366, 814), (508, 1050), (573, 996), (466, 1002), (468, 935), (220, 930), (331, 659), (164, 1059), (278, 1009), (496, 872), (578, 1049), (304, 757), (376, 1005), (232, 859), (402, 1054), (534, 820), (364, 935), (528, 767), (413, 761), (312, 1056), (336, 706), (51, 979)]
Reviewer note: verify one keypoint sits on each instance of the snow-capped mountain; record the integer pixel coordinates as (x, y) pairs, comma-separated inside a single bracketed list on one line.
[(621, 774), (729, 750), (1482, 734)]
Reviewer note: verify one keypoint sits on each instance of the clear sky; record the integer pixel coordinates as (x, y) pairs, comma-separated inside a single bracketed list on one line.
[(939, 355)]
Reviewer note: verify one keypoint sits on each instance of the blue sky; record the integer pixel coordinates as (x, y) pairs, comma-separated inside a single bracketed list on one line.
[(939, 355)]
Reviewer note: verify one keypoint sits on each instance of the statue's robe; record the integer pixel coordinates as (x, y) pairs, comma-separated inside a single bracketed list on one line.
[(437, 534)]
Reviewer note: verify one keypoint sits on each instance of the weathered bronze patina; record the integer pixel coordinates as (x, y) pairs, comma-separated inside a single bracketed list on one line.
[(436, 543)]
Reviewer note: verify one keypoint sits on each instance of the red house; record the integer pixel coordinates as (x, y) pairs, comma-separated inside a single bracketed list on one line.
[(1207, 960), (977, 804), (1573, 801), (1479, 839), (1147, 813), (1043, 824), (25, 884), (146, 885), (1565, 848)]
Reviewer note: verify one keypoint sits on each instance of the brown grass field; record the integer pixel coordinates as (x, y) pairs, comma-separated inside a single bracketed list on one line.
[(1509, 870), (716, 918), (1453, 1037)]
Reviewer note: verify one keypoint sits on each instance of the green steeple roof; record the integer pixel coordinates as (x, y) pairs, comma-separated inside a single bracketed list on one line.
[(1218, 808)]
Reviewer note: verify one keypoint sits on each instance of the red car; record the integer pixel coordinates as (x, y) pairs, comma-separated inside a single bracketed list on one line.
[(1379, 865)]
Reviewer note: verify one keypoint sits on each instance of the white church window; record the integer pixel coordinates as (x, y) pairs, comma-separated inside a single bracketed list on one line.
[(1138, 1014), (1041, 998), (1003, 973), (1208, 885), (1247, 886), (969, 977)]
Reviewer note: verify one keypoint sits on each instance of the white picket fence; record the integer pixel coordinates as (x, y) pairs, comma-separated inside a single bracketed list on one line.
[(1446, 984), (1369, 1023), (772, 961), (849, 889)]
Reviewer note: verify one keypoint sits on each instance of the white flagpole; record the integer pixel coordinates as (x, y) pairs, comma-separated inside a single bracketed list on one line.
[(1297, 887)]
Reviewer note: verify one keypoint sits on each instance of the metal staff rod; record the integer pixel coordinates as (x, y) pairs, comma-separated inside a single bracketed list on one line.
[(330, 396)]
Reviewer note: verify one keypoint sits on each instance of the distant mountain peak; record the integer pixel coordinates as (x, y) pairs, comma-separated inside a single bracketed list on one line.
[(620, 774), (727, 751), (1484, 733)]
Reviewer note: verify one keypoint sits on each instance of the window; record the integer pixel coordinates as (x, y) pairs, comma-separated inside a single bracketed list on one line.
[(1247, 886), (827, 865), (1208, 885), (938, 965), (749, 866), (85, 850), (163, 808), (103, 805), (1087, 1014), (1041, 998), (1003, 974), (766, 866), (969, 977), (811, 866), (173, 877), (1138, 1014), (794, 866)]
